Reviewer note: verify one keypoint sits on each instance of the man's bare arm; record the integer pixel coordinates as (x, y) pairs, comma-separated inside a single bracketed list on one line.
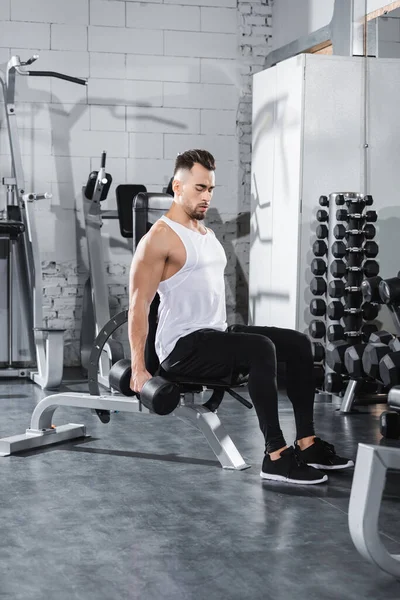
[(145, 275)]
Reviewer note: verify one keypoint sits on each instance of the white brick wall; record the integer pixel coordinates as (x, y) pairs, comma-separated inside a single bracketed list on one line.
[(163, 76)]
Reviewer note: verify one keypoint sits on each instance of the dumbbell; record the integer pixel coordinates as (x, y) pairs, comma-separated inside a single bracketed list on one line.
[(389, 290), (343, 215), (323, 201), (370, 290), (370, 311), (353, 357), (389, 366), (368, 199), (340, 200), (322, 216), (318, 266), (339, 249), (318, 286), (158, 394), (390, 425), (318, 351), (370, 249), (369, 231), (319, 248), (376, 349), (333, 383), (339, 231), (389, 369), (319, 377), (336, 289), (370, 268), (334, 356), (317, 329), (338, 268), (322, 232), (318, 307)]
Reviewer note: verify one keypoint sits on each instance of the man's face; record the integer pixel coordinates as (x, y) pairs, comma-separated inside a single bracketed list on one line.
[(193, 190)]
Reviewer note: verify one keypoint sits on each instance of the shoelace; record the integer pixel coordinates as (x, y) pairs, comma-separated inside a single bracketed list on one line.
[(330, 448)]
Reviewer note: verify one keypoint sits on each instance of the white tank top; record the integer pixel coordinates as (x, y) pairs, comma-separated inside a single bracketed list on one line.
[(193, 298)]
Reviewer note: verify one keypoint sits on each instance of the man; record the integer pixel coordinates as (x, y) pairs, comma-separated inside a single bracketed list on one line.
[(182, 259)]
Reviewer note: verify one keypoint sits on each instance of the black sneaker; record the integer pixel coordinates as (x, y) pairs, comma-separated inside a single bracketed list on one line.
[(291, 469), (322, 455)]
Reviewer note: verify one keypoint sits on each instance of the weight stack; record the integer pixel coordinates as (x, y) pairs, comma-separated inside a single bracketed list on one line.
[(350, 253)]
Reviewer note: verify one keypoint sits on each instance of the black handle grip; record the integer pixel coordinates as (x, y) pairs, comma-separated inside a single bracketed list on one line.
[(103, 159), (57, 76)]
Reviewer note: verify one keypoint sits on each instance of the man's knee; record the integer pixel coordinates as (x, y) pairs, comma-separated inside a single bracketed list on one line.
[(301, 343), (263, 347)]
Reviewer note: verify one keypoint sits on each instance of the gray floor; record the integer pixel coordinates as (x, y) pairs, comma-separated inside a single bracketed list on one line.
[(143, 511)]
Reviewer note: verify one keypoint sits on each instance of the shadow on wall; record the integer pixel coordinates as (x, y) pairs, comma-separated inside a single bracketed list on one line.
[(228, 232)]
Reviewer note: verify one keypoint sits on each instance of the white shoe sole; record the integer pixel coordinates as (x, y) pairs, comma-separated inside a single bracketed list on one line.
[(272, 477), (348, 465)]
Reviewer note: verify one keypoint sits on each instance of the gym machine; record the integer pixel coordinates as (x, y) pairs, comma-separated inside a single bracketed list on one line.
[(28, 339), (366, 498), (96, 300), (147, 210)]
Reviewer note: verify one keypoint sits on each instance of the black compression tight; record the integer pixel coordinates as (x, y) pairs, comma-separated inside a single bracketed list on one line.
[(215, 354)]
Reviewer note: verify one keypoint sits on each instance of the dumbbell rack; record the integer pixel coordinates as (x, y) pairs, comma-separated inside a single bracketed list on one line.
[(343, 258)]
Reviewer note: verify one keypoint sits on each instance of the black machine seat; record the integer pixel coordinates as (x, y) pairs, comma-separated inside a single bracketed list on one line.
[(11, 229)]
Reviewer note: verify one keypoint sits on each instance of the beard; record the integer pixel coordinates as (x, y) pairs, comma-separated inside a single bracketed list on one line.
[(198, 215)]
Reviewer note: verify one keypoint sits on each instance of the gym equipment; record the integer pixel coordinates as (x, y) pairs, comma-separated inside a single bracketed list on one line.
[(318, 266), (335, 332), (354, 355), (370, 268), (336, 289), (319, 248), (96, 300), (338, 268), (318, 286), (317, 329), (335, 352), (339, 231), (369, 231), (339, 250), (365, 501), (28, 340), (158, 394), (318, 307), (389, 369), (322, 232), (323, 201), (318, 352), (333, 383), (322, 216), (389, 291), (371, 249), (147, 209), (370, 290)]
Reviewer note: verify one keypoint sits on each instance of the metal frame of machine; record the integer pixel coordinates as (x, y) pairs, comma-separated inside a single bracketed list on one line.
[(48, 343)]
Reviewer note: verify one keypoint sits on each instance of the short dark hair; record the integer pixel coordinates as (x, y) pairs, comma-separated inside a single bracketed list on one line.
[(187, 159)]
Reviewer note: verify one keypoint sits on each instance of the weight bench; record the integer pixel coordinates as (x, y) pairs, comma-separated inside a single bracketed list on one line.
[(147, 209), (41, 433)]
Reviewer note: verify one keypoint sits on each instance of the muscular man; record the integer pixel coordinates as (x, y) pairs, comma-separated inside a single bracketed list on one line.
[(183, 260)]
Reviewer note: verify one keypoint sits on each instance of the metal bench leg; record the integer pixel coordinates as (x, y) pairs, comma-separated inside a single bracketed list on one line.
[(211, 427), (365, 503), (50, 358)]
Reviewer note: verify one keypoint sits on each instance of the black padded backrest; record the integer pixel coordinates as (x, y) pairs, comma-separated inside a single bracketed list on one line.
[(147, 209), (125, 195)]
